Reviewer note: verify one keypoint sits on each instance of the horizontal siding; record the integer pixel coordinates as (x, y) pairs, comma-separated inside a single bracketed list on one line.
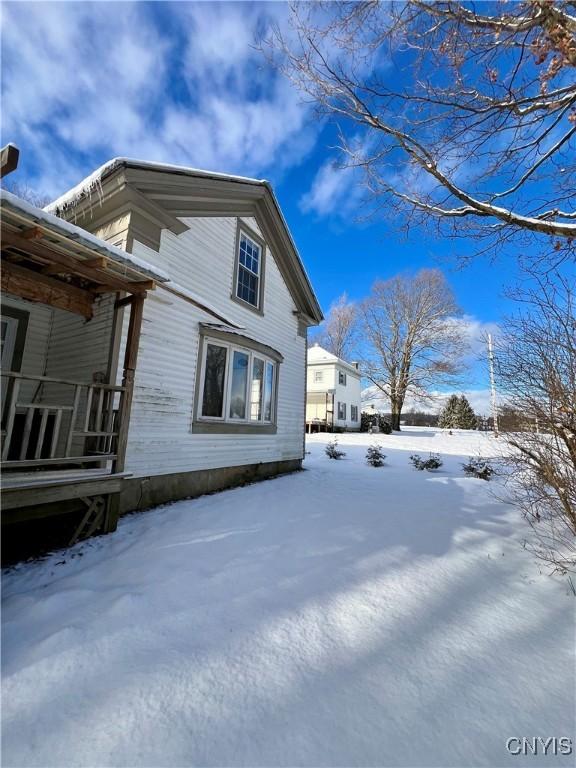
[(36, 344), (78, 350), (349, 394), (328, 378), (201, 260), (63, 345)]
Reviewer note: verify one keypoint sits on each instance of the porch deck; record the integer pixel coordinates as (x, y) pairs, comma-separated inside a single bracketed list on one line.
[(23, 489)]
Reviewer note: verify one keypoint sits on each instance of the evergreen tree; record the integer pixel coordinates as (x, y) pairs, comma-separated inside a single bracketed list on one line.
[(457, 414), (466, 416), (448, 418)]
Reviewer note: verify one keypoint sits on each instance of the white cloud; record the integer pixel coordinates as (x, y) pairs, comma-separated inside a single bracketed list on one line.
[(338, 188), (475, 333), (178, 83), (328, 188)]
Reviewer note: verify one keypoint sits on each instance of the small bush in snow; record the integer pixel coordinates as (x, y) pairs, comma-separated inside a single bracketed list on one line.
[(478, 467), (332, 450), (374, 456), (370, 420), (432, 462)]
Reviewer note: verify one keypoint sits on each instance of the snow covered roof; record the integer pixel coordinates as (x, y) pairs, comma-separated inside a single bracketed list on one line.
[(125, 263), (317, 355), (91, 185)]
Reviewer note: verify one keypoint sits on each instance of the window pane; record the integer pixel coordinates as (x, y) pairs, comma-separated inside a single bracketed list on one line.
[(238, 388), (247, 286), (268, 392), (249, 255), (214, 374), (256, 389)]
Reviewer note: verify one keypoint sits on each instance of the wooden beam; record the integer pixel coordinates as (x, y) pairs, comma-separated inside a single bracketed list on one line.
[(45, 290), (130, 360), (8, 159), (142, 286), (95, 274), (32, 233), (124, 301), (100, 262)]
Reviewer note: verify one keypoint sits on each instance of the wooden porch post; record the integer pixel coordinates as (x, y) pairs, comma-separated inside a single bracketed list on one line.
[(136, 302)]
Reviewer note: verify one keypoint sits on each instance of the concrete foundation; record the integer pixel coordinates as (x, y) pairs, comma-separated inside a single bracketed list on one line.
[(140, 493)]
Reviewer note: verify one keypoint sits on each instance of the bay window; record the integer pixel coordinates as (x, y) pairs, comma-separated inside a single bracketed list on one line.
[(237, 386)]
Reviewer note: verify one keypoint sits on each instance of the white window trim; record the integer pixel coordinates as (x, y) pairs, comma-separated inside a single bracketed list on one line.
[(243, 230), (225, 417)]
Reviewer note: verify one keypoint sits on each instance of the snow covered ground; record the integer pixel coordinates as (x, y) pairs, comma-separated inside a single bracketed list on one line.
[(342, 616)]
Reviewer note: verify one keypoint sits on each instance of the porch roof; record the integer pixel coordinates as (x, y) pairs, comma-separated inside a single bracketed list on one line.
[(61, 250)]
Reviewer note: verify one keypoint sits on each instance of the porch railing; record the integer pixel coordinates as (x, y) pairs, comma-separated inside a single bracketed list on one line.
[(64, 422)]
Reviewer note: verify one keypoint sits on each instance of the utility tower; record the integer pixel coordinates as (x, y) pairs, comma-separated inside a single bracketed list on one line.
[(492, 385)]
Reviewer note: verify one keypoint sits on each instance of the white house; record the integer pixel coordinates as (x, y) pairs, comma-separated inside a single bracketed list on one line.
[(333, 391), (209, 369)]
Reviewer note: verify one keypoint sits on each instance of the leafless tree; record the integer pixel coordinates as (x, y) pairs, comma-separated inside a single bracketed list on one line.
[(536, 370), (25, 192), (459, 113), (412, 337), (337, 333)]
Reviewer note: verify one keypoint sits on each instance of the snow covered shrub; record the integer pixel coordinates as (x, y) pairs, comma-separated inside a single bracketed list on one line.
[(385, 427), (417, 461), (432, 462), (374, 456), (368, 420), (332, 450), (478, 467)]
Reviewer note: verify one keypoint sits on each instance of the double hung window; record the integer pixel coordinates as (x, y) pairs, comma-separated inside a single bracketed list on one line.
[(248, 270)]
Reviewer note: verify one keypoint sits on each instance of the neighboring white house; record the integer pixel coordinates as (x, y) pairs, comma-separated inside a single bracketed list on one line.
[(333, 392), (219, 378)]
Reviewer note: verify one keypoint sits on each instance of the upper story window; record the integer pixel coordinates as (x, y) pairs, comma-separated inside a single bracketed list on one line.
[(249, 270), (318, 377), (342, 378)]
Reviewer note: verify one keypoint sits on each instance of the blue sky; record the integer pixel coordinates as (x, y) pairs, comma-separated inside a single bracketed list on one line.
[(183, 83)]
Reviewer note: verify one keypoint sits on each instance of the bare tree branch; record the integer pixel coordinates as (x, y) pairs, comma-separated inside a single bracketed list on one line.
[(448, 109)]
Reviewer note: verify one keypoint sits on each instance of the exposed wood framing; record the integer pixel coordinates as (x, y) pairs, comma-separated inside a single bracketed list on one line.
[(33, 233), (100, 262), (8, 159), (41, 288), (92, 520), (64, 264)]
